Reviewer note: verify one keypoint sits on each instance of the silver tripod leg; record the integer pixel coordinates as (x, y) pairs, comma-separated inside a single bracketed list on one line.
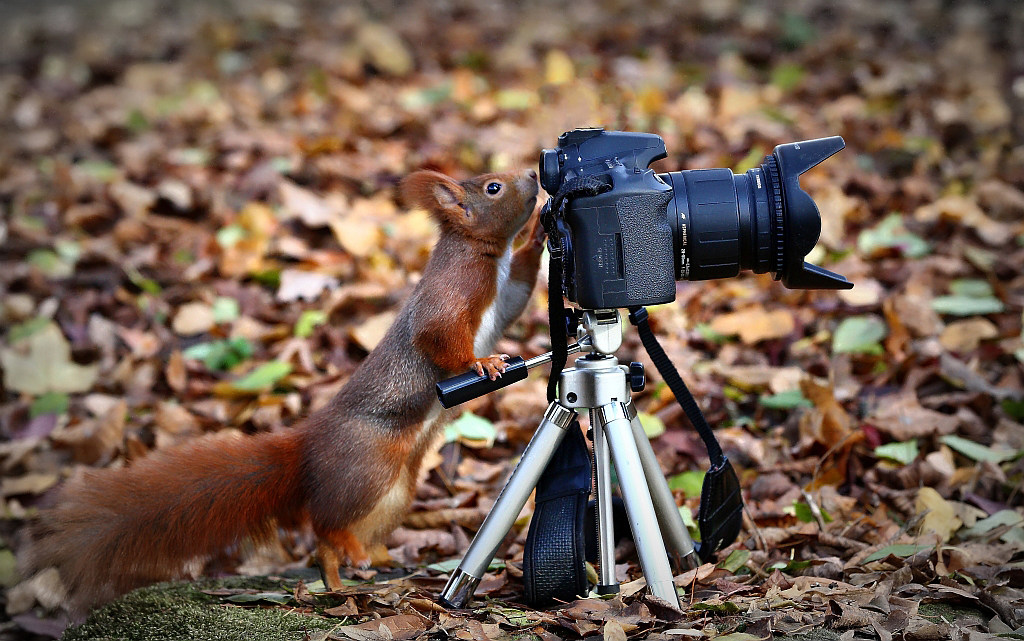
[(507, 506), (650, 546), (607, 584), (672, 527)]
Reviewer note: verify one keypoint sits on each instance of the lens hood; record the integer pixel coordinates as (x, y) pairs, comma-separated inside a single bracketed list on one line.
[(800, 218)]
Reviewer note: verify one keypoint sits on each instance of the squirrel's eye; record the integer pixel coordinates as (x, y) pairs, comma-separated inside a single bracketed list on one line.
[(493, 188)]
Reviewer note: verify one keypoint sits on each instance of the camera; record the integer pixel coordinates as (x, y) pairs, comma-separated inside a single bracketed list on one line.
[(625, 243)]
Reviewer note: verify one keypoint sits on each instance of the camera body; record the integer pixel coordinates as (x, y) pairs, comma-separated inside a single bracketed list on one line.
[(627, 245), (619, 242)]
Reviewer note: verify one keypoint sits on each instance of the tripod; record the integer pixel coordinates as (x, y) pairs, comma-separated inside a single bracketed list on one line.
[(599, 384)]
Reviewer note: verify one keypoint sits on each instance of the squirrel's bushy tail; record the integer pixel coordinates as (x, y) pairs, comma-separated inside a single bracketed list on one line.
[(118, 529)]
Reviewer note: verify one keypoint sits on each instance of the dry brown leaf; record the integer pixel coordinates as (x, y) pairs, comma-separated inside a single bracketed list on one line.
[(368, 333), (175, 372), (903, 418), (965, 335), (828, 422), (755, 324)]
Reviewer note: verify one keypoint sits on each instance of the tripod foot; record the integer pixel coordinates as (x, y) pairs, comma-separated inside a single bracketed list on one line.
[(459, 590), (607, 589)]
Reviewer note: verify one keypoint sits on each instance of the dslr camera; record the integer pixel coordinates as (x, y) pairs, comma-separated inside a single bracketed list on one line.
[(626, 242)]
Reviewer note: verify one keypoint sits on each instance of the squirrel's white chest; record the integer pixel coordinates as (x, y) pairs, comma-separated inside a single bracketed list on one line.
[(492, 323)]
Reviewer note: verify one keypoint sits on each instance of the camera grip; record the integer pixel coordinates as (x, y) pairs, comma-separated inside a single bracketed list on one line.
[(459, 389)]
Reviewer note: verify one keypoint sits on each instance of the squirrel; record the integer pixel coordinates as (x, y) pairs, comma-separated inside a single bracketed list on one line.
[(349, 469)]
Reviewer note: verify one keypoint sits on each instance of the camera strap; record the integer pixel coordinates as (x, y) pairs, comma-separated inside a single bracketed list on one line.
[(721, 504), (553, 210), (555, 553)]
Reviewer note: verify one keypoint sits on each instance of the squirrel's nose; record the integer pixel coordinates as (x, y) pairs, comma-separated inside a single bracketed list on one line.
[(531, 174)]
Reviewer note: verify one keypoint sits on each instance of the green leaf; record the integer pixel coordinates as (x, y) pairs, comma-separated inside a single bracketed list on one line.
[(690, 524), (690, 482), (27, 328), (977, 451), (725, 607), (228, 237), (973, 287), (787, 76), (967, 305), (891, 234), (986, 525), (859, 335), (8, 569), (797, 31), (653, 426), (225, 310), (904, 453), (789, 567), (751, 160), (222, 354), (470, 427), (98, 169), (708, 334), (308, 321), (50, 264), (263, 377), (49, 403), (1014, 408), (271, 597), (736, 559), (803, 512), (516, 99), (790, 399)]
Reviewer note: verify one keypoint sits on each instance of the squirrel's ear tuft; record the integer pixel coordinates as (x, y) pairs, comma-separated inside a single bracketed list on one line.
[(436, 193)]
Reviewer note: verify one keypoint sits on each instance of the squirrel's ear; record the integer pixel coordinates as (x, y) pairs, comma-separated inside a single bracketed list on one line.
[(436, 193)]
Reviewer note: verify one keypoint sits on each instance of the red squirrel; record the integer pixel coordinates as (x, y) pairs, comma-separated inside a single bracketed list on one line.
[(349, 469)]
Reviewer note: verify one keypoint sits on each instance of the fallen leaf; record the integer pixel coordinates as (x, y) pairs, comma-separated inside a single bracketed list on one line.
[(941, 516), (613, 631), (299, 284), (859, 334), (28, 484), (303, 204), (370, 332), (193, 318), (755, 324), (41, 363), (966, 335), (903, 418)]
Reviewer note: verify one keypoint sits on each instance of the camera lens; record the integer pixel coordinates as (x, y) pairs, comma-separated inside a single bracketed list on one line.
[(759, 220), (721, 222)]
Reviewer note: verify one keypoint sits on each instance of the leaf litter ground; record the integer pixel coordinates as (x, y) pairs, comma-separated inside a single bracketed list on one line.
[(200, 232)]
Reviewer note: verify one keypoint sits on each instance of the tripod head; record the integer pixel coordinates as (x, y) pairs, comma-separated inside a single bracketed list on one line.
[(597, 331)]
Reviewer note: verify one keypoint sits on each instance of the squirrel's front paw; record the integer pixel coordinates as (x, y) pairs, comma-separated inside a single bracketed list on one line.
[(494, 365)]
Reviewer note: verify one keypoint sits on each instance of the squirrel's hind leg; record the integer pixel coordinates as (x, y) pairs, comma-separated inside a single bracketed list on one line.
[(335, 547)]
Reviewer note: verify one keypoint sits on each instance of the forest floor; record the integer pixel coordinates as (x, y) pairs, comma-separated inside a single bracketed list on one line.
[(201, 232)]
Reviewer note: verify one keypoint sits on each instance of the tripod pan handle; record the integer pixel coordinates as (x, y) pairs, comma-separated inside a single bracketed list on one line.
[(459, 389)]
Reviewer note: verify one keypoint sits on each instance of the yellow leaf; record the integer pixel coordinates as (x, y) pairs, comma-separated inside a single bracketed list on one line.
[(941, 517), (558, 68)]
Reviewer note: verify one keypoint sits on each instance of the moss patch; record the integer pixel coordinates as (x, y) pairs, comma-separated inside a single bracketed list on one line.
[(172, 611), (936, 612)]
